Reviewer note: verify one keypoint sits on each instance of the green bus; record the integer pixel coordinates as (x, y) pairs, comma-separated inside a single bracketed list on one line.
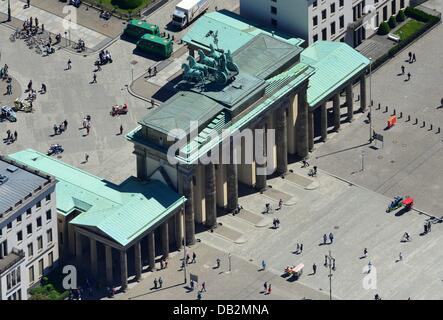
[(155, 45), (137, 28)]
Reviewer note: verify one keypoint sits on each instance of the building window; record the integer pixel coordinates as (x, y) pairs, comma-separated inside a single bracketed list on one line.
[(315, 21), (28, 212), (13, 278), (323, 14), (40, 243), (273, 10), (19, 294), (342, 3), (274, 22), (50, 259), (48, 215), (49, 233), (332, 7), (19, 218), (48, 197), (1, 232), (342, 22), (3, 249), (8, 281), (19, 236), (315, 38), (333, 28), (39, 222), (31, 274), (39, 205), (29, 228), (19, 276), (30, 250), (314, 4), (9, 225), (40, 267), (324, 34)]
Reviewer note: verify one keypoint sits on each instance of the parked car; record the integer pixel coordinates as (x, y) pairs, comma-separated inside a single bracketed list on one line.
[(8, 113), (75, 3)]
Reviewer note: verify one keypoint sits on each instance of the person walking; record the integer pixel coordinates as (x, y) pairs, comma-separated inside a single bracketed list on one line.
[(121, 129), (192, 285), (30, 85), (314, 268), (203, 287), (15, 135), (331, 237), (324, 238), (301, 247), (160, 282), (199, 296), (263, 265), (365, 252), (69, 64), (265, 286), (218, 263), (65, 123), (8, 133), (402, 70), (155, 283), (409, 76), (410, 56), (413, 57), (269, 289), (86, 157), (43, 89), (400, 257), (429, 226), (194, 257), (9, 89), (369, 266), (94, 78), (280, 204)]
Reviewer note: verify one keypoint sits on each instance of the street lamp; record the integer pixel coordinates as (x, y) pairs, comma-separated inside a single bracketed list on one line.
[(229, 259), (9, 10), (184, 246), (370, 98), (330, 262)]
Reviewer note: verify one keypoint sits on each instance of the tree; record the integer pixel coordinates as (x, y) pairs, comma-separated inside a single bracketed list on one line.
[(401, 16), (392, 22), (383, 29)]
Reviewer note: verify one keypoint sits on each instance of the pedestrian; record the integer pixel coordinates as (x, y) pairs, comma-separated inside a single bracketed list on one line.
[(55, 129), (28, 3), (324, 238), (280, 204), (199, 295), (265, 285), (65, 123), (407, 236), (203, 287), (9, 89), (331, 237), (166, 263), (30, 85), (187, 258), (94, 78), (413, 57), (426, 228), (192, 285), (263, 265), (149, 71), (155, 283), (315, 170), (15, 135), (305, 163), (365, 252), (269, 289), (69, 64), (333, 264), (160, 282), (194, 257), (298, 248), (36, 22), (155, 70), (8, 132), (400, 257), (86, 157), (314, 269), (429, 226), (326, 260), (369, 266), (301, 247), (161, 264), (402, 70), (218, 263), (410, 56), (274, 222), (409, 76), (43, 89), (121, 129), (88, 126)]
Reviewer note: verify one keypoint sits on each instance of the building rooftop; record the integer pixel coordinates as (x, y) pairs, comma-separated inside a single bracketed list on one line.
[(335, 64), (233, 31), (18, 183), (122, 212)]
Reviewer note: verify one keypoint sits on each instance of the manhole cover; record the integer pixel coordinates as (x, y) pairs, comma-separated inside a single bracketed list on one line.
[(134, 62), (379, 157), (336, 227), (392, 161)]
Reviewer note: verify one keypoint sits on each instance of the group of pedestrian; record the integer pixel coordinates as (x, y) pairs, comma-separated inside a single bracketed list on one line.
[(59, 129), (276, 223), (194, 258), (267, 287), (325, 238), (10, 137), (299, 248), (152, 72), (237, 209), (158, 283)]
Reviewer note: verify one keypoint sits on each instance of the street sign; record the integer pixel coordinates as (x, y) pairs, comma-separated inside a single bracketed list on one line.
[(193, 277)]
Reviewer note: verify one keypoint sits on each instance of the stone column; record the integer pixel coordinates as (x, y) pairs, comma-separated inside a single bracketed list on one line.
[(302, 133), (282, 141), (210, 196), (311, 130), (108, 256), (179, 229), (78, 249), (188, 192), (260, 168), (123, 271), (93, 252), (350, 102), (363, 105), (232, 177), (165, 239), (324, 122), (336, 108), (138, 260), (141, 165), (151, 251)]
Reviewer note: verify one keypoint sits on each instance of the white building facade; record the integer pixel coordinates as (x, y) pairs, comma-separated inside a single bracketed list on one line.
[(350, 21), (28, 229)]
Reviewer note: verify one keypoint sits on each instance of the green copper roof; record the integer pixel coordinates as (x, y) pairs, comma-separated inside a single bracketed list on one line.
[(122, 212), (233, 31), (335, 64)]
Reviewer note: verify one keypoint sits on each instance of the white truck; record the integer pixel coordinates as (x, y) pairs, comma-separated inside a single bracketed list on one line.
[(188, 10)]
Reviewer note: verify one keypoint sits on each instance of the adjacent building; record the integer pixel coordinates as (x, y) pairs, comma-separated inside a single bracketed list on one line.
[(28, 228), (350, 21)]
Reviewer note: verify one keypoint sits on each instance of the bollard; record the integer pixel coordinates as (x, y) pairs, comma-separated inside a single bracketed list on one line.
[(416, 121), (401, 115), (172, 37), (438, 131), (409, 117), (386, 109), (431, 128), (394, 113), (379, 106), (168, 36), (424, 124)]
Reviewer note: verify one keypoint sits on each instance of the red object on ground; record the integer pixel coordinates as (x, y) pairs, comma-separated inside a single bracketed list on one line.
[(408, 201), (392, 121)]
